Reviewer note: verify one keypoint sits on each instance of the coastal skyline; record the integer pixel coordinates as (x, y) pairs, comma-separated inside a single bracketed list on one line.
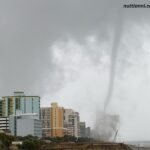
[(62, 51)]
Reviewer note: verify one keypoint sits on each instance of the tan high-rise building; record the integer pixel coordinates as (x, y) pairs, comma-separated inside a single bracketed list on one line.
[(57, 117)]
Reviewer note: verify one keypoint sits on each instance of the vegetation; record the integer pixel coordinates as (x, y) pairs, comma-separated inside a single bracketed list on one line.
[(33, 143), (29, 142), (5, 141), (67, 138)]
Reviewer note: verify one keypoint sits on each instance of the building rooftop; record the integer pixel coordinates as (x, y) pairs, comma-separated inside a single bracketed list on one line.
[(19, 94)]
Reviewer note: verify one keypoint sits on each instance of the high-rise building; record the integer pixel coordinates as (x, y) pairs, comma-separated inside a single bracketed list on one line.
[(19, 102), (82, 129), (71, 122), (57, 121), (45, 118), (57, 117), (76, 122), (88, 132)]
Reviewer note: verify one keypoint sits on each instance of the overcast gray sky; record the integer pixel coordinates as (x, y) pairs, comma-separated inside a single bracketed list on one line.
[(61, 50)]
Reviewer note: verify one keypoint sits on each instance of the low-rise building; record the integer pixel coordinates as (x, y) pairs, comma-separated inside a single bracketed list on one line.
[(4, 124), (25, 124)]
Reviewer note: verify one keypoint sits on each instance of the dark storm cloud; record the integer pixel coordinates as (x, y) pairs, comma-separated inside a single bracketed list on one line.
[(28, 28)]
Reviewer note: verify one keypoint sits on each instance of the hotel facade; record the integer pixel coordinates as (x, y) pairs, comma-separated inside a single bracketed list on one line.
[(52, 120), (45, 117), (19, 103), (57, 118)]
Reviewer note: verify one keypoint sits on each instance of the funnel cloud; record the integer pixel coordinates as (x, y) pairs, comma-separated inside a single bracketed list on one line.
[(113, 56)]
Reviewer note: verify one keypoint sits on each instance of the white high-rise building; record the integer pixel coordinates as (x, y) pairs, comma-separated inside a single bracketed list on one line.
[(19, 102), (71, 122), (25, 124)]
